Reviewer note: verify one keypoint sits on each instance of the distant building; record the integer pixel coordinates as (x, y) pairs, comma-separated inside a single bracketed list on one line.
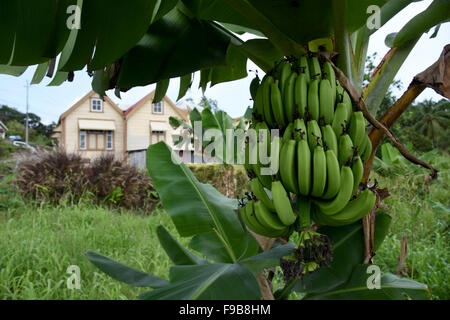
[(94, 126)]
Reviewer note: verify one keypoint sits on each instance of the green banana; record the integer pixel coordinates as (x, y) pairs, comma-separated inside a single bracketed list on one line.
[(358, 171), (288, 133), (249, 218), (352, 212), (277, 104), (329, 138), (342, 198), (339, 92), (326, 106), (331, 76), (345, 149), (299, 129), (260, 193), (282, 204), (304, 68), (254, 86), (340, 119), (258, 107), (319, 170), (267, 218), (313, 99), (288, 166), (314, 67), (357, 129), (301, 94), (284, 75), (365, 155), (303, 167), (348, 104), (314, 134), (267, 108), (288, 95), (333, 175)]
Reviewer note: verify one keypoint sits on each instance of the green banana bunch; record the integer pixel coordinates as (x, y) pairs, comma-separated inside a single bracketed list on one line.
[(260, 193)]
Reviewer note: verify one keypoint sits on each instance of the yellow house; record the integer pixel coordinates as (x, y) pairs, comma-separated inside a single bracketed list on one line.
[(94, 126)]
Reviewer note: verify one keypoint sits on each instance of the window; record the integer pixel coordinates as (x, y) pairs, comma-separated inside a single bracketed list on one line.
[(158, 136), (157, 107), (96, 140), (109, 140), (82, 140), (96, 105)]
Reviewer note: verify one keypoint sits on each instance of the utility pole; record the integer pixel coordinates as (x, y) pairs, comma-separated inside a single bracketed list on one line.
[(26, 120)]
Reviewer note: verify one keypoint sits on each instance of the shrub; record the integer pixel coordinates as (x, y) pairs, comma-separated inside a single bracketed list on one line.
[(66, 178)]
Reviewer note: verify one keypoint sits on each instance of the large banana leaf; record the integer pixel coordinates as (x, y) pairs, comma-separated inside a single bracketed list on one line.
[(124, 273), (391, 288), (208, 282), (173, 46), (305, 20), (197, 208), (176, 252)]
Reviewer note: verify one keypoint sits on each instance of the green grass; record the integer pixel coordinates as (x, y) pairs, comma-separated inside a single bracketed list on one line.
[(423, 215), (38, 245)]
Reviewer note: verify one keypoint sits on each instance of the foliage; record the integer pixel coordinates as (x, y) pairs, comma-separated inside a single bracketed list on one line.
[(15, 121), (213, 174), (58, 178)]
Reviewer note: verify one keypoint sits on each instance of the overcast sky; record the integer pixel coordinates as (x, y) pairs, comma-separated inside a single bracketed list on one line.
[(233, 97)]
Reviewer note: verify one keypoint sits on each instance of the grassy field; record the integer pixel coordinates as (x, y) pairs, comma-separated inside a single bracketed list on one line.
[(39, 243)]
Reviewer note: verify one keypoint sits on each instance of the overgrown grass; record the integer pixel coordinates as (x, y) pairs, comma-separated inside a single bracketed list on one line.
[(38, 245), (421, 212)]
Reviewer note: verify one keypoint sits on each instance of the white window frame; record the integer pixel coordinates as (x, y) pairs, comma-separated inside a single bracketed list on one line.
[(83, 139), (93, 101), (157, 105), (109, 144)]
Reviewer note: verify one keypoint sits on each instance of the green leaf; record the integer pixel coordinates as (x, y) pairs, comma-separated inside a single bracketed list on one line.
[(375, 91), (98, 82), (262, 52), (304, 21), (205, 78), (195, 207), (12, 70), (124, 273), (176, 252), (267, 259), (40, 72), (58, 79), (437, 12), (348, 251), (113, 28), (173, 46), (161, 89), (391, 288), (235, 68), (185, 84), (208, 282)]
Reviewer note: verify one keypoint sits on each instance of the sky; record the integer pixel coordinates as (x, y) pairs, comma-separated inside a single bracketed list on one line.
[(233, 97)]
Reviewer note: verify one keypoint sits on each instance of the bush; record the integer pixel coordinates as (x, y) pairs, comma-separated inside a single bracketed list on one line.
[(223, 178), (59, 178)]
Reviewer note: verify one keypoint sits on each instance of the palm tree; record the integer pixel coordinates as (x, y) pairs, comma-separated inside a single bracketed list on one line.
[(433, 119)]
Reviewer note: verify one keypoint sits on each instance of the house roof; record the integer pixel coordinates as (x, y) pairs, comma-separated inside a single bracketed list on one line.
[(3, 126), (82, 100), (183, 113)]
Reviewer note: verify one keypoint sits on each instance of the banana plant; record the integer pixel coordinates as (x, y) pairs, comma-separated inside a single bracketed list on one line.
[(152, 41)]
